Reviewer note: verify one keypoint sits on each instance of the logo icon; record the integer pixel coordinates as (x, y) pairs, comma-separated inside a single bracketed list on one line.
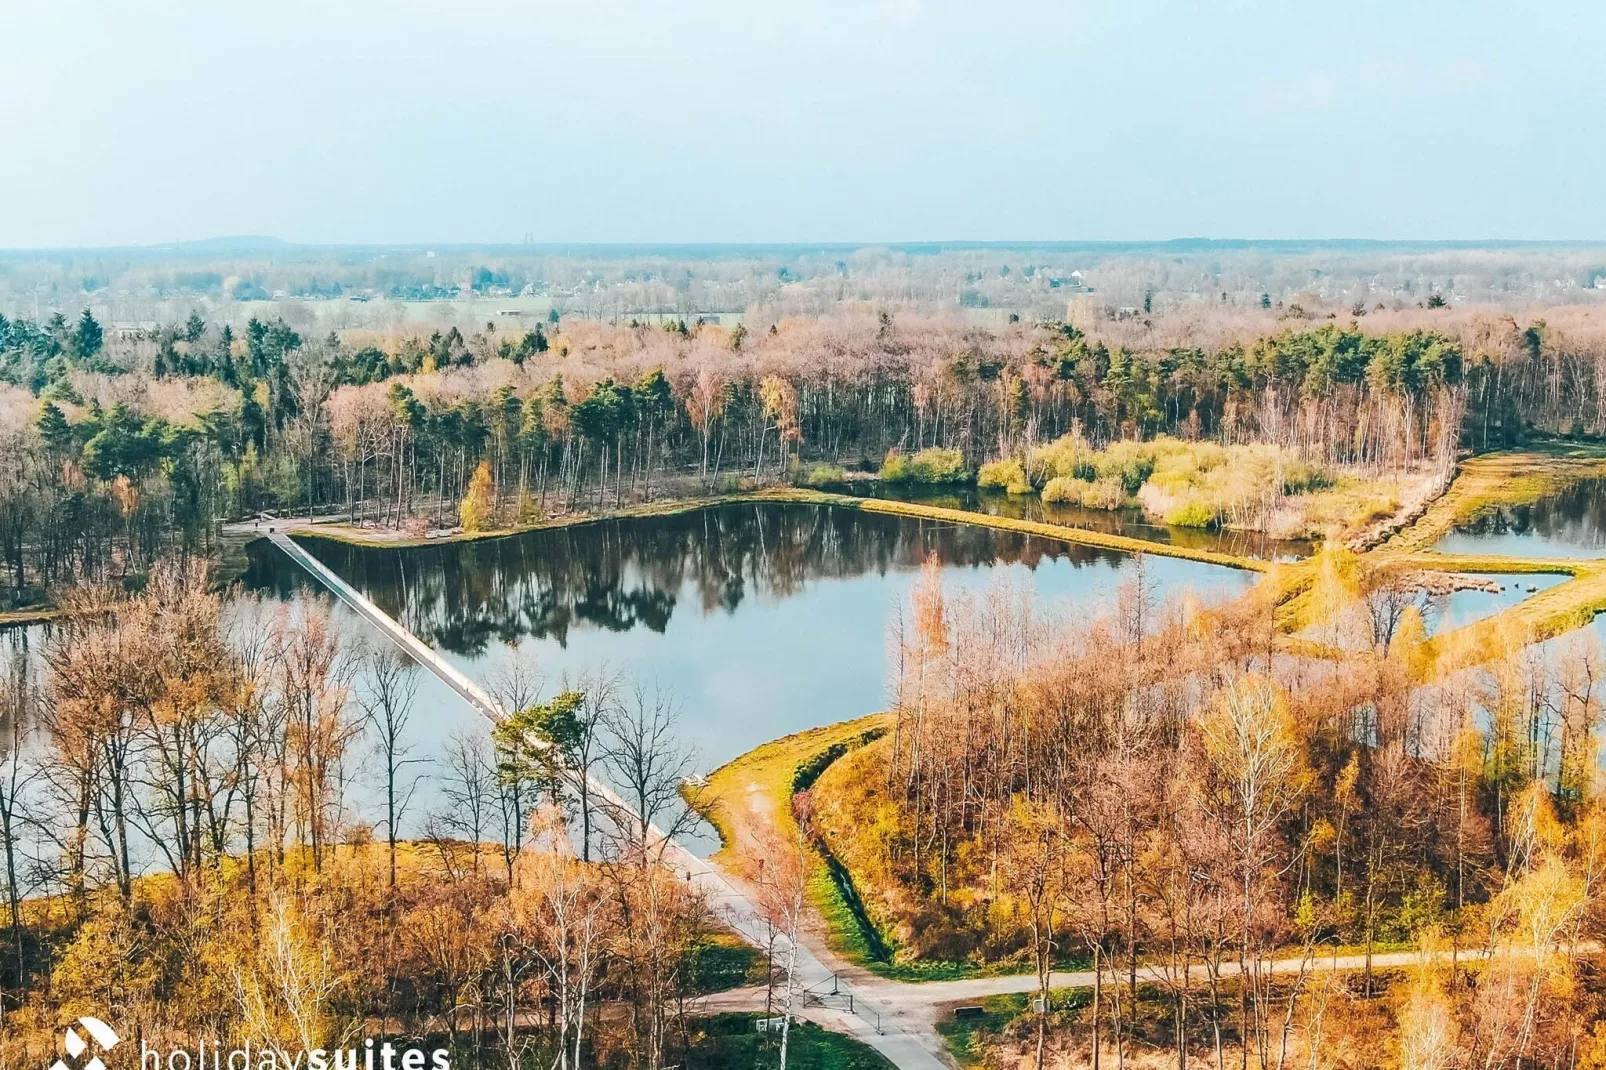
[(99, 1031)]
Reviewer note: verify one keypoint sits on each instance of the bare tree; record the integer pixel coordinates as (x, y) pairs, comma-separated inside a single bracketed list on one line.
[(391, 683), (1254, 754), (643, 758), (782, 875), (601, 691), (561, 904), (311, 679), (469, 786)]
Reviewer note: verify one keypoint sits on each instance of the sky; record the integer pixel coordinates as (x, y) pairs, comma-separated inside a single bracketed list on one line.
[(802, 121)]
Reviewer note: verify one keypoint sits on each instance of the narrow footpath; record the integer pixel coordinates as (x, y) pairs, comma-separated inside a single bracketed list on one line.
[(832, 1001)]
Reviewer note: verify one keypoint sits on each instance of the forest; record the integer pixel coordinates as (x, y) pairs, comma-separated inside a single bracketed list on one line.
[(1167, 788), (133, 446)]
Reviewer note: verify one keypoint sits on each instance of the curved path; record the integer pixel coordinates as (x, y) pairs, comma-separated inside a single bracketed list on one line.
[(836, 1004)]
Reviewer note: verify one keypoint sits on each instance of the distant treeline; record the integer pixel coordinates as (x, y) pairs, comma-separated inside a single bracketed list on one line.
[(360, 286), (120, 448)]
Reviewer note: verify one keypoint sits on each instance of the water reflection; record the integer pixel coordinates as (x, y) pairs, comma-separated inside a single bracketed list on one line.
[(1569, 523), (762, 619), (619, 575), (20, 673)]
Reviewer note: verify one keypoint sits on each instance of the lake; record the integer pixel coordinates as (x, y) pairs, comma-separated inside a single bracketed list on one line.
[(1570, 523), (761, 619)]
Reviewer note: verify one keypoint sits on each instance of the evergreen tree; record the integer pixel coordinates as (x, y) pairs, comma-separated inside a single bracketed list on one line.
[(53, 427), (87, 337), (542, 743)]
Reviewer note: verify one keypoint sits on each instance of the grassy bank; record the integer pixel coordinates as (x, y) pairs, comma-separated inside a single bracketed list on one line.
[(1545, 615), (30, 615), (749, 800), (750, 797), (1498, 480)]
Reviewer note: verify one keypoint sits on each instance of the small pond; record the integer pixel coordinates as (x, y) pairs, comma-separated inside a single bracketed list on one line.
[(1468, 607), (1570, 523)]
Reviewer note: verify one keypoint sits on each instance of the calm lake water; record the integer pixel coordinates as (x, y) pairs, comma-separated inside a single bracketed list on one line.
[(1571, 523), (761, 620), (1129, 522)]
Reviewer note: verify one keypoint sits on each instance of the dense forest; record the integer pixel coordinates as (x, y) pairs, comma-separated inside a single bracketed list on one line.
[(1163, 787), (123, 447)]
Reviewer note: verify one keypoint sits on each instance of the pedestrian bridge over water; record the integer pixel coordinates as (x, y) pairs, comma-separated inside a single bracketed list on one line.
[(724, 895)]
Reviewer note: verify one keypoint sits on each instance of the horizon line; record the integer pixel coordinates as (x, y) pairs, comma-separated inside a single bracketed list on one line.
[(264, 243)]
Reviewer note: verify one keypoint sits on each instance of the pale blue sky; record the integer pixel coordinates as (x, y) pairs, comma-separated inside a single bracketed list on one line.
[(751, 120)]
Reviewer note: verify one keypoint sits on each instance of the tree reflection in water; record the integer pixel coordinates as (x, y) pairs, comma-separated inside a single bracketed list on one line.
[(618, 575)]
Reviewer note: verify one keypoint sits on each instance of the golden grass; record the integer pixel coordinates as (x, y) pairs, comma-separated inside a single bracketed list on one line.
[(1346, 508), (749, 798), (749, 801), (417, 862), (1545, 615), (1059, 532), (31, 615), (1494, 480), (1483, 483)]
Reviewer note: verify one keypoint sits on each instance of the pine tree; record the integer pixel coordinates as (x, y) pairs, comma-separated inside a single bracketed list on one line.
[(87, 336), (53, 427)]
